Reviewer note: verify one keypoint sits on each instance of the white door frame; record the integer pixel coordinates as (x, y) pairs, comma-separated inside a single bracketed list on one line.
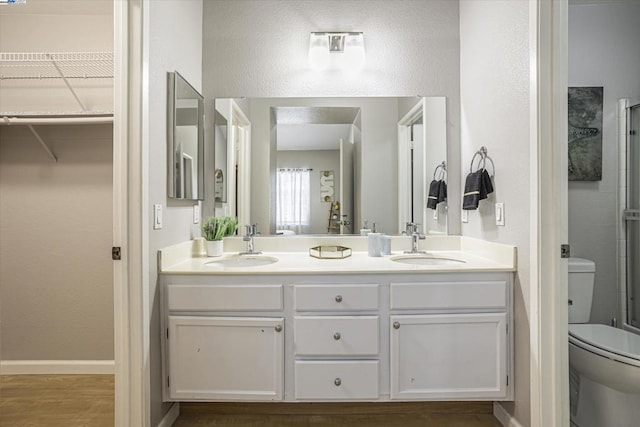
[(549, 365), (238, 153), (130, 346)]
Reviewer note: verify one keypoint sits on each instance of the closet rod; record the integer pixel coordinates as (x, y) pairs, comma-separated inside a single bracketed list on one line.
[(56, 120)]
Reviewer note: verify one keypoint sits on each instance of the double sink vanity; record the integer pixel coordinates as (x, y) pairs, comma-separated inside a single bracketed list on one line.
[(284, 326)]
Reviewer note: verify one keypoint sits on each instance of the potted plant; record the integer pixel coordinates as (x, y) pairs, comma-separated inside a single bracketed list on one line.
[(214, 229)]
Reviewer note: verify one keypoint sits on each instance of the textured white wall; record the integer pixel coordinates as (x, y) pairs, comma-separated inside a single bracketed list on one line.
[(259, 49), (495, 99), (55, 238), (173, 32), (56, 292), (603, 51)]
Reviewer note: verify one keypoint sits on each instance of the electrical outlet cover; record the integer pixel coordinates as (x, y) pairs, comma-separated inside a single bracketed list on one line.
[(196, 214), (500, 214), (157, 217)]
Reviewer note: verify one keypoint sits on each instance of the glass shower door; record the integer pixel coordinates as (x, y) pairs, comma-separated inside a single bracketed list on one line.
[(632, 216)]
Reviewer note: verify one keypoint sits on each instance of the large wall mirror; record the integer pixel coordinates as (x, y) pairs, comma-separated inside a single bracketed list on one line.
[(331, 165), (185, 139)]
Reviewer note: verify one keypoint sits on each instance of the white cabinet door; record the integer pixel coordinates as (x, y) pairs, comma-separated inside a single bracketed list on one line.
[(449, 356), (225, 358)]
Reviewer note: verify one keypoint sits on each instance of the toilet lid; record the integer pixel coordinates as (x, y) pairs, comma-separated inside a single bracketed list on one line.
[(608, 338)]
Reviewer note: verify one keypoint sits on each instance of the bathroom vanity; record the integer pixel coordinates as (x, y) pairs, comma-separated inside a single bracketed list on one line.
[(354, 329)]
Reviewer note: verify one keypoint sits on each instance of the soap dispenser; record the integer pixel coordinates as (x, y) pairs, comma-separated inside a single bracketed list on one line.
[(365, 228)]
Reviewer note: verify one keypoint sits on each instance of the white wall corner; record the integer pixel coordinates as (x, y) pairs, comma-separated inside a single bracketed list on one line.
[(57, 367), (171, 416), (505, 418)]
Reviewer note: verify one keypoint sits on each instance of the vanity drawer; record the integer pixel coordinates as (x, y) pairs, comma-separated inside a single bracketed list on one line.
[(335, 297), (454, 295), (356, 379), (224, 297), (336, 336)]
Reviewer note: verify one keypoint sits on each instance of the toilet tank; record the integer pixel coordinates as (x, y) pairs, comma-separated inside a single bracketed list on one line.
[(582, 273)]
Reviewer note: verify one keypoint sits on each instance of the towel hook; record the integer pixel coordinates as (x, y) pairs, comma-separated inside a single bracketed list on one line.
[(442, 166), (482, 152)]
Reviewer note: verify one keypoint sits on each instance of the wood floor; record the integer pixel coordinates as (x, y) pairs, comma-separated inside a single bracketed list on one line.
[(87, 401), (388, 414), (56, 400)]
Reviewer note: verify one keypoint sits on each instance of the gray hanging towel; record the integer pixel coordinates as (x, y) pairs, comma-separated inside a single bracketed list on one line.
[(442, 191), (434, 192), (486, 184), (473, 189)]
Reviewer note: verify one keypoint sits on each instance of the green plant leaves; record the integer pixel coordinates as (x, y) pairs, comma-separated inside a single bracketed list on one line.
[(215, 228)]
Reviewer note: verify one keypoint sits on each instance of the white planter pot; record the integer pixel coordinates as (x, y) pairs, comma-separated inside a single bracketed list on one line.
[(214, 247)]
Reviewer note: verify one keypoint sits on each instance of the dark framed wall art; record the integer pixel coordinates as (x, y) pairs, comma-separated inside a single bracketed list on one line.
[(585, 133)]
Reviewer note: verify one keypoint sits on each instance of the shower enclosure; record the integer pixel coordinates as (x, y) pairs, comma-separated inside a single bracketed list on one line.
[(629, 131)]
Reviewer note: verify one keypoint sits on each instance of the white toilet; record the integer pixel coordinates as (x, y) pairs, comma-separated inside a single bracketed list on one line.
[(604, 361)]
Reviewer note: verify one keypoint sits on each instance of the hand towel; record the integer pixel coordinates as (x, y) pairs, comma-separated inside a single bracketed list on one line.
[(442, 191), (434, 192), (477, 187), (486, 181), (473, 187)]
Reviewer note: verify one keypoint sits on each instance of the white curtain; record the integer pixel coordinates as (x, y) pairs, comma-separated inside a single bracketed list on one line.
[(293, 204)]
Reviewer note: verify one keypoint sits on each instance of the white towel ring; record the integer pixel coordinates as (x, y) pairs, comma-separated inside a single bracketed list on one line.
[(482, 152), (443, 172)]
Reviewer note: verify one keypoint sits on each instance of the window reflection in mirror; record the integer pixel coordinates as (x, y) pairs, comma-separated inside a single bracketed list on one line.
[(185, 140), (355, 140), (316, 143)]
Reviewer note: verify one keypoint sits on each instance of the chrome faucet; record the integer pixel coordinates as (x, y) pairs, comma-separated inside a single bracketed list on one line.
[(251, 230), (412, 230)]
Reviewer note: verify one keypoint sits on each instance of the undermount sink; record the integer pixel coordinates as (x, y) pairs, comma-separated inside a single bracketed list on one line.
[(425, 259), (242, 261)]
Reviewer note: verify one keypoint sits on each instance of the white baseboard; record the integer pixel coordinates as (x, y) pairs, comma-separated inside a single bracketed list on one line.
[(171, 416), (504, 417), (57, 367)]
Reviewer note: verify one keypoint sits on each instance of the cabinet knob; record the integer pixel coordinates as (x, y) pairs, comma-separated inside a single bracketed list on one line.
[(336, 336), (396, 325), (337, 382), (338, 298), (278, 328)]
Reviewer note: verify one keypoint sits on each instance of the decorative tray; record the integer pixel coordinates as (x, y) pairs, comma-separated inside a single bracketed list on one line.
[(330, 252)]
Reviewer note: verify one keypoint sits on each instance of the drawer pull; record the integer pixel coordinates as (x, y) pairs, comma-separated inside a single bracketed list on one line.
[(336, 336), (338, 298), (337, 382), (396, 325), (278, 328)]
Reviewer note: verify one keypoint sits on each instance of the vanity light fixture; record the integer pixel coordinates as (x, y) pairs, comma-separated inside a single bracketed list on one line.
[(339, 50)]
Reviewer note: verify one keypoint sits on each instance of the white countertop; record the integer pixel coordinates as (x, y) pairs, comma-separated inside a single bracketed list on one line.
[(477, 255)]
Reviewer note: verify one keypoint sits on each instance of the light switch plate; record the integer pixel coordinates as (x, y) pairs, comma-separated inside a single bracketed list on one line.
[(157, 217), (465, 215), (500, 214)]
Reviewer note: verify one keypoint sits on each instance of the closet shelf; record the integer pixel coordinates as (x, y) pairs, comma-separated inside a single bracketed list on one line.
[(21, 67), (56, 65)]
